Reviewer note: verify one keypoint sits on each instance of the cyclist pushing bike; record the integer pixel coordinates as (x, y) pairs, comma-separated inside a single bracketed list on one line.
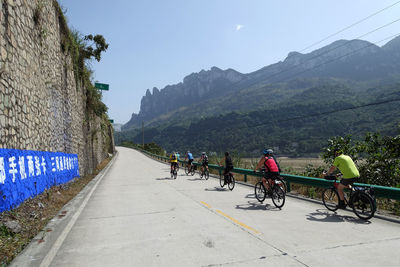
[(272, 168), (349, 170)]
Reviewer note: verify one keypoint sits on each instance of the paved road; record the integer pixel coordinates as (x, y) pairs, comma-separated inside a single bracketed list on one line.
[(135, 215)]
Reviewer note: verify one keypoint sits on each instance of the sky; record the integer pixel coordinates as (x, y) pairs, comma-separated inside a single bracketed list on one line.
[(155, 43)]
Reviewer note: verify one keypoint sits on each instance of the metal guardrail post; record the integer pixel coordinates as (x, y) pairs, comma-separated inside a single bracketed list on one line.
[(245, 178), (288, 187)]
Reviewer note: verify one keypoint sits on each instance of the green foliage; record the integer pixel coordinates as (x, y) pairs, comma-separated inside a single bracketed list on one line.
[(311, 171), (93, 101), (343, 144), (380, 157), (82, 49), (150, 147), (5, 232), (99, 42), (280, 126)]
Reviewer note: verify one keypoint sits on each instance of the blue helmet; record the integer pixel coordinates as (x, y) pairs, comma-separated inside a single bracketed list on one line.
[(268, 151)]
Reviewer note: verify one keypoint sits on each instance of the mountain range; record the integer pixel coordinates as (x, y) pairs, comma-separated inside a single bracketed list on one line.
[(343, 74)]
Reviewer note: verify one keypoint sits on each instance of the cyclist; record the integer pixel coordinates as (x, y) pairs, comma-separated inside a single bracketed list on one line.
[(349, 170), (228, 165), (174, 161), (204, 161), (190, 158), (271, 166)]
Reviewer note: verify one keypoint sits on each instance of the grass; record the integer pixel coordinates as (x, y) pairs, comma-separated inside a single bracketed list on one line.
[(35, 213)]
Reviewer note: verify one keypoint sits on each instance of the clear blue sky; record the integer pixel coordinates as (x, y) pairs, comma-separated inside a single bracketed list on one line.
[(154, 43)]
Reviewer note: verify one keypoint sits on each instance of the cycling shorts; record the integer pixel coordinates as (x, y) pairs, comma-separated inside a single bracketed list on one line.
[(174, 164), (190, 161), (348, 181), (271, 175), (204, 164)]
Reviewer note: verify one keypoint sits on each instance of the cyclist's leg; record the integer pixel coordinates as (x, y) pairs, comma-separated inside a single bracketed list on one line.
[(226, 171), (344, 183)]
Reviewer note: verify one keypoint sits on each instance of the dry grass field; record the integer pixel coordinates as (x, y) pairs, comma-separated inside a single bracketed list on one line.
[(288, 165)]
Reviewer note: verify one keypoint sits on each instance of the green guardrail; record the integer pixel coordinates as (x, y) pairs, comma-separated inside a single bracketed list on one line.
[(380, 191)]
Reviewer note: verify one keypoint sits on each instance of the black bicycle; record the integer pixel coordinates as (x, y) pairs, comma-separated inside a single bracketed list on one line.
[(204, 173), (227, 179), (190, 171), (174, 172), (275, 191), (362, 199)]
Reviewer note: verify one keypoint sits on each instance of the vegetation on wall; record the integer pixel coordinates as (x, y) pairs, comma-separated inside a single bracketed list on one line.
[(82, 50)]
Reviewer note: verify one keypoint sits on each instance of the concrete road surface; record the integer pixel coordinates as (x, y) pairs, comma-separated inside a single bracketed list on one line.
[(133, 214)]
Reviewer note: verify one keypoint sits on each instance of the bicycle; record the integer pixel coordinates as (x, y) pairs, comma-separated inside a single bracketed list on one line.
[(227, 179), (204, 173), (361, 199), (275, 191), (174, 172), (279, 180), (191, 171)]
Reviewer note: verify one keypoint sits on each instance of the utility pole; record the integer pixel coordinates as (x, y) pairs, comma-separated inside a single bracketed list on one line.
[(143, 134)]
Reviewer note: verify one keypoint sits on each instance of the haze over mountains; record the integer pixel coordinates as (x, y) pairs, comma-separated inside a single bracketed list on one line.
[(345, 73)]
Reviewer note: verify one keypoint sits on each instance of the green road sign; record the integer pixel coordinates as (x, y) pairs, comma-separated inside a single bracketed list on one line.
[(112, 121), (102, 86)]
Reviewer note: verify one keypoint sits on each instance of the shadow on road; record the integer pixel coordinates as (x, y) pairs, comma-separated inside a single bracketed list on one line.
[(195, 179), (321, 215), (165, 178), (216, 189), (256, 206)]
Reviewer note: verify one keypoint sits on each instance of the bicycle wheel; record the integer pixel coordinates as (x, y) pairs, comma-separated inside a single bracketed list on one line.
[(280, 182), (186, 170), (259, 191), (231, 182), (221, 180), (363, 205), (330, 198), (192, 171), (206, 174), (172, 175), (278, 196)]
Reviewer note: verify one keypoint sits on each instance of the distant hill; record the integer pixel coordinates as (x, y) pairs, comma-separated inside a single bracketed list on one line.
[(342, 74)]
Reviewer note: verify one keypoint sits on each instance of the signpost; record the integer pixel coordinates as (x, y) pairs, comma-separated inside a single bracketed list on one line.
[(102, 86)]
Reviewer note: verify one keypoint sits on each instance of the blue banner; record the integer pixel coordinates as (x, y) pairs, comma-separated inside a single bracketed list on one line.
[(27, 173)]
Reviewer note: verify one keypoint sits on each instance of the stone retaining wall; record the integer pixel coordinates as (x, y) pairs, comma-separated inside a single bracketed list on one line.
[(42, 106)]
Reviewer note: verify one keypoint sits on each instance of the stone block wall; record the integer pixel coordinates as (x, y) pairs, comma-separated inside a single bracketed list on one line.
[(42, 106)]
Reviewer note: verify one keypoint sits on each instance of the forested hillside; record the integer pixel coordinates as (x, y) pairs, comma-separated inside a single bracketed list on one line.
[(292, 106)]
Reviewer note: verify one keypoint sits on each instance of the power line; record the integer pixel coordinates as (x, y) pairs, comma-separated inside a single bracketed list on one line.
[(350, 26), (330, 50), (327, 112), (345, 55)]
